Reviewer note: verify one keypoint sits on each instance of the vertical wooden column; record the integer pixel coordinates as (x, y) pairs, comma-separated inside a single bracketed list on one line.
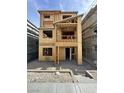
[(70, 54), (55, 40), (58, 55), (55, 34), (55, 55), (79, 41)]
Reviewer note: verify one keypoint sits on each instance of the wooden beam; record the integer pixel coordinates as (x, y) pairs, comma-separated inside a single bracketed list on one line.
[(70, 54), (58, 55), (55, 56)]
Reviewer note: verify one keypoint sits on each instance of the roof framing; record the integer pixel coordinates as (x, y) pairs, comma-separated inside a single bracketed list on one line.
[(63, 20)]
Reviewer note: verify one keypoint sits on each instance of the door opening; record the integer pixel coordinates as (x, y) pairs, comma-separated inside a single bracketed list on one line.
[(70, 53), (73, 53), (67, 53)]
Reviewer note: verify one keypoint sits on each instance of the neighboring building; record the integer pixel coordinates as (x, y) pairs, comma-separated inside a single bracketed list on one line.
[(32, 41), (60, 36), (89, 36)]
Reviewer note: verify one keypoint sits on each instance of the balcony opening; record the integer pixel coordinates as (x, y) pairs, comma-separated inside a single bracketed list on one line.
[(47, 34), (68, 35)]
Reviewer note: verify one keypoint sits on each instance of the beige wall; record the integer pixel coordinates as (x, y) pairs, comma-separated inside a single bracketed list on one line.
[(62, 53)]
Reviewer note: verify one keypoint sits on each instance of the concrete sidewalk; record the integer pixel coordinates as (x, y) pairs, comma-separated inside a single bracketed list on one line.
[(89, 87)]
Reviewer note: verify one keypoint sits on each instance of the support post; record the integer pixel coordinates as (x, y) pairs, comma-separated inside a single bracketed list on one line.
[(70, 54), (55, 55), (58, 55), (79, 41)]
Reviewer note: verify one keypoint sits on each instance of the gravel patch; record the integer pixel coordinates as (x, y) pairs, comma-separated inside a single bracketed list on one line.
[(43, 77)]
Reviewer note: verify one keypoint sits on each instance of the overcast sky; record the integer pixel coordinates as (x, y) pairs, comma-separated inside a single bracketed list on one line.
[(66, 5)]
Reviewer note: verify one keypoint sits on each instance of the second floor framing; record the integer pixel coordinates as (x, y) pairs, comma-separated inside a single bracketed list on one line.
[(62, 30), (58, 35)]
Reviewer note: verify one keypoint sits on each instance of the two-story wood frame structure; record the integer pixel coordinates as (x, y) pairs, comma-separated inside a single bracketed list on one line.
[(60, 36)]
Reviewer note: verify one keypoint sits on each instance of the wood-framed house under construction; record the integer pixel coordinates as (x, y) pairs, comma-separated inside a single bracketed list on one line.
[(60, 36)]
